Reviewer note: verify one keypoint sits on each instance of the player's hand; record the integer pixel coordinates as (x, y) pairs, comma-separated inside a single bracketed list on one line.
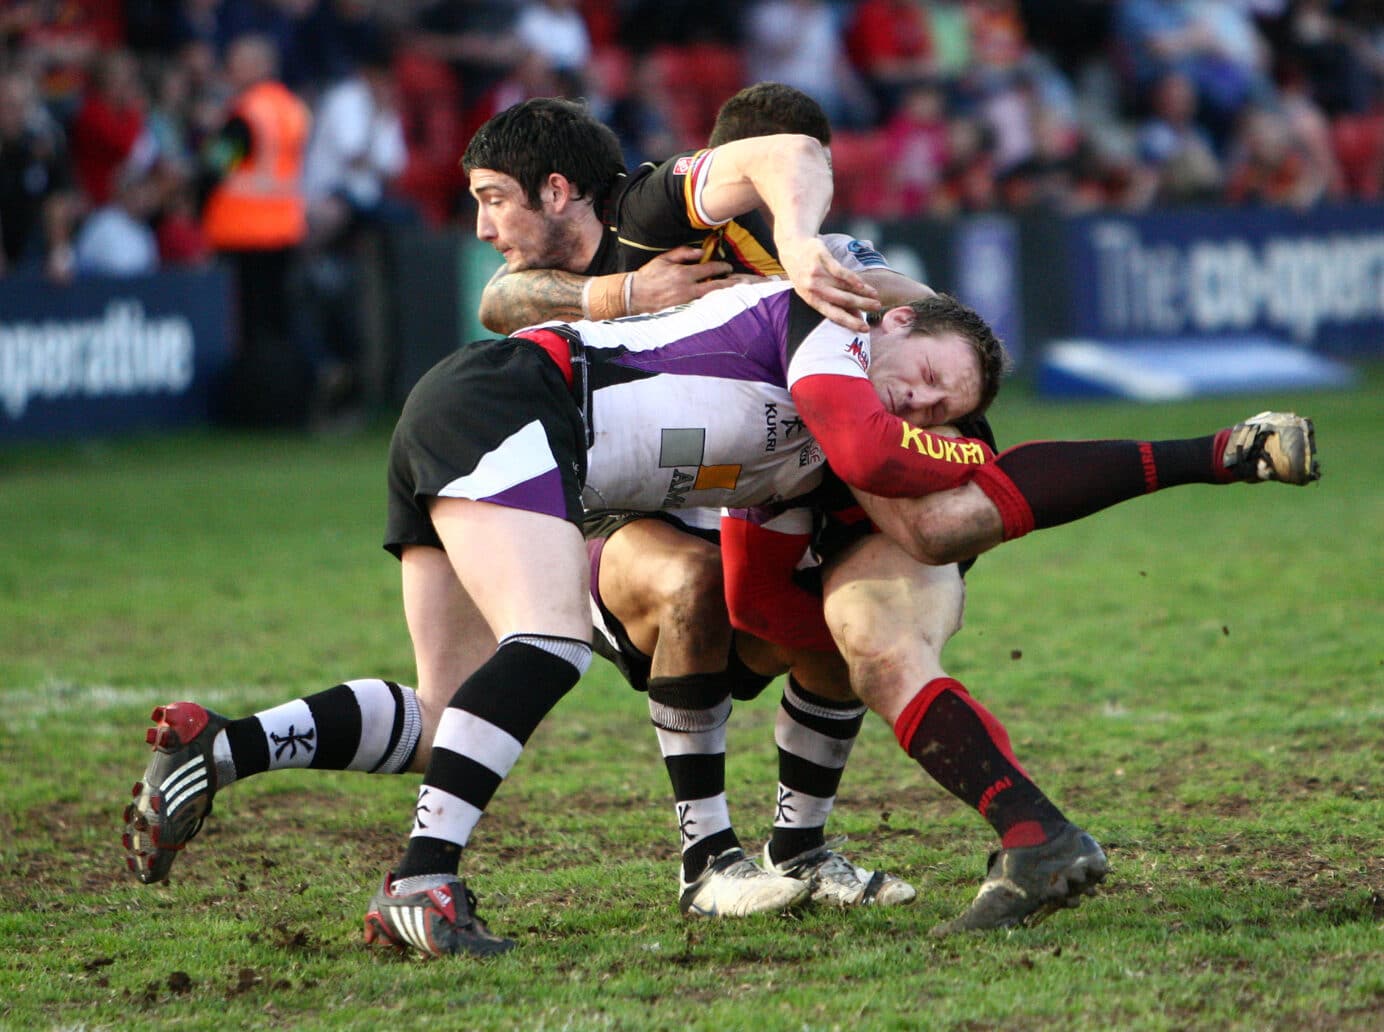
[(676, 277), (826, 284)]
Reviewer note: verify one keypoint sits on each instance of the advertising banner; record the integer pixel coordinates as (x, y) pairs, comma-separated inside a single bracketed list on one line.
[(987, 276), (1314, 280), (106, 356)]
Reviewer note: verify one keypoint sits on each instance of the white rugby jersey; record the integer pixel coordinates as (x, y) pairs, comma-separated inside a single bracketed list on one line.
[(691, 406)]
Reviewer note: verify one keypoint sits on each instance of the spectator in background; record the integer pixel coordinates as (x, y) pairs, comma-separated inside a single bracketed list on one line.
[(255, 219), (1025, 102), (556, 31), (355, 155), (208, 93), (633, 100), (1310, 125), (1107, 173), (532, 76), (357, 147), (108, 124), (1175, 149), (890, 44), (116, 239), (999, 41), (59, 42), (476, 39), (1051, 171), (969, 183), (307, 36), (179, 231), (919, 151), (799, 42), (1333, 55), (198, 21), (1215, 46), (1269, 165), (949, 26), (38, 205)]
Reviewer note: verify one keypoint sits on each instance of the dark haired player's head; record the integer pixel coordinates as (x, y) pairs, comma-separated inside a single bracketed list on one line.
[(767, 108), (538, 137), (941, 314)]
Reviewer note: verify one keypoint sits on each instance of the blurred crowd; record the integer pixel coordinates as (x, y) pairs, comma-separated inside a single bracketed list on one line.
[(108, 107), (120, 120)]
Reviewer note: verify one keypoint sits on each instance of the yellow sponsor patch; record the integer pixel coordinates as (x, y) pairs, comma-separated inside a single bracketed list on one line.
[(934, 446)]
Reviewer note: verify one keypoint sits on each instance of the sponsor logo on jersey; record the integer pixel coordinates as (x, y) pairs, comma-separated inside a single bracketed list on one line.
[(810, 455), (948, 449), (683, 450), (770, 426), (859, 350), (684, 164)]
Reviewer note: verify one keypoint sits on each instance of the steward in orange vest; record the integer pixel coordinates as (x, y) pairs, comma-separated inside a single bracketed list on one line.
[(259, 204)]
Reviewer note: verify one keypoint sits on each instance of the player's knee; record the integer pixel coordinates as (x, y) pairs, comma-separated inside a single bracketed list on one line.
[(691, 587), (883, 656)]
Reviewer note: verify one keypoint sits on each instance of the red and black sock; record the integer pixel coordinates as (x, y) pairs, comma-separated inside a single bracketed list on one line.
[(1048, 483), (966, 751)]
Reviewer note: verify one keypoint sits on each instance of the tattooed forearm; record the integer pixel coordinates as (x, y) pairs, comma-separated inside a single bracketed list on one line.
[(516, 299)]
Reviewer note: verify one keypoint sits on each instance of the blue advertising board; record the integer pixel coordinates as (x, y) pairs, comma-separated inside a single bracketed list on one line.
[(105, 356), (1312, 279), (986, 274)]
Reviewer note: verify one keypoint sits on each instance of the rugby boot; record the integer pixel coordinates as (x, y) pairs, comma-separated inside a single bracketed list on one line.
[(733, 885), (176, 793), (1273, 446), (1027, 884), (836, 881), (438, 921)]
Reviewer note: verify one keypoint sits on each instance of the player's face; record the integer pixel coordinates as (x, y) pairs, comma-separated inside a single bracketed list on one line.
[(926, 380), (527, 238)]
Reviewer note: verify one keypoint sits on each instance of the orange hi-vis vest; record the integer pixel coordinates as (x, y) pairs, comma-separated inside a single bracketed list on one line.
[(259, 206)]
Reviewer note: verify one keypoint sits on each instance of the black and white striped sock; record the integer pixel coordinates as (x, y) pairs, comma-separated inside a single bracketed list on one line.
[(367, 725), (689, 714), (814, 736), (479, 739)]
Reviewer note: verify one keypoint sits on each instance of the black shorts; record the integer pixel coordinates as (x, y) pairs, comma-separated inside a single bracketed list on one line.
[(602, 523), (493, 421)]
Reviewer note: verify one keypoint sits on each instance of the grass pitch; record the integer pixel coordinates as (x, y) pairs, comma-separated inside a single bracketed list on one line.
[(1196, 677)]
